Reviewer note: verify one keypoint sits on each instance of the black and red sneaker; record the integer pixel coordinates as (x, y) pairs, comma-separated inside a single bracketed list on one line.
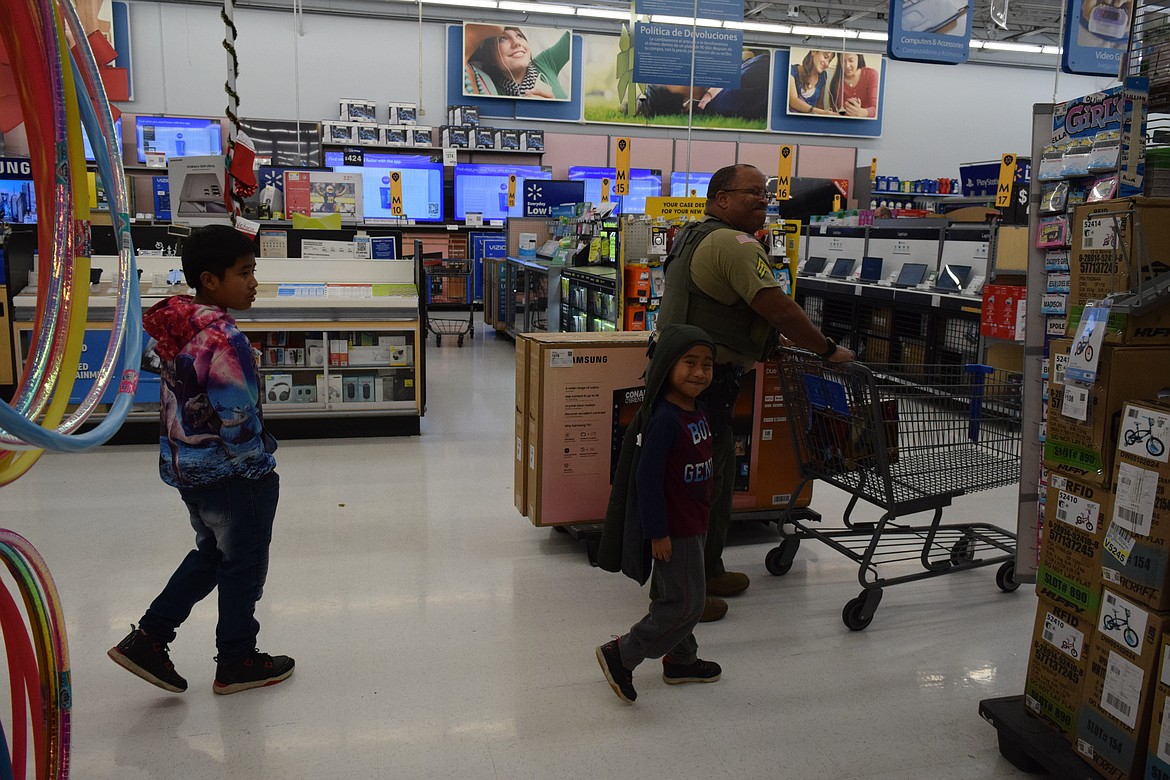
[(254, 670), (141, 654)]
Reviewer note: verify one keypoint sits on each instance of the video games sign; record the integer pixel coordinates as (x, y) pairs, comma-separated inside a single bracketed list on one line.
[(936, 31), (1095, 36)]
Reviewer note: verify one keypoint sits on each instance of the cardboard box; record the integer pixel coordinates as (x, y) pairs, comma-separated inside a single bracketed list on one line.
[(532, 140), (1158, 757), (1137, 329), (369, 134), (1097, 268), (457, 137), (1083, 422), (403, 113), (520, 465), (1075, 514), (338, 132), (1114, 721), (582, 392), (1058, 665), (484, 137), (1135, 557), (420, 136), (357, 110), (580, 389), (395, 135)]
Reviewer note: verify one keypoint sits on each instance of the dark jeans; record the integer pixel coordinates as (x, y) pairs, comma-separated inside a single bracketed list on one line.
[(233, 530)]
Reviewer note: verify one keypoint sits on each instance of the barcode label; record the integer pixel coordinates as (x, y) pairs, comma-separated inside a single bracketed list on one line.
[(1049, 636), (1131, 516), (1118, 704)]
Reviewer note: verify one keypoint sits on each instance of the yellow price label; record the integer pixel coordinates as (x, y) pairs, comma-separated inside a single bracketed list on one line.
[(1007, 176), (622, 184), (396, 193), (784, 172)]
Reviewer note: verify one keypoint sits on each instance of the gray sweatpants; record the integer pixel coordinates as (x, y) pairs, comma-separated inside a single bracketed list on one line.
[(681, 591)]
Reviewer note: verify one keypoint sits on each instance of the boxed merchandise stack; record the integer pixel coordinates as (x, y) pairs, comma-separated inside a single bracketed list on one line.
[(576, 393), (459, 132)]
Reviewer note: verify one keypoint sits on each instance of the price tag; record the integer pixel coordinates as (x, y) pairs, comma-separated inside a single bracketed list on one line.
[(474, 219), (1118, 543), (245, 226), (450, 156), (156, 160), (784, 172), (353, 156)]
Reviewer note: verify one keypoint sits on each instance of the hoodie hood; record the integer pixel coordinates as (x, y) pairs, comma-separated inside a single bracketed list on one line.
[(174, 322), (672, 343)]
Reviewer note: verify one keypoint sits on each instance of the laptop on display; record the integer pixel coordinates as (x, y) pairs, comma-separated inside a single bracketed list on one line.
[(842, 267), (911, 275), (814, 265), (871, 269), (952, 278)]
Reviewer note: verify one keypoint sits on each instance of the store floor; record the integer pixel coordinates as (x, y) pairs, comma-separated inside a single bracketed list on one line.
[(438, 634)]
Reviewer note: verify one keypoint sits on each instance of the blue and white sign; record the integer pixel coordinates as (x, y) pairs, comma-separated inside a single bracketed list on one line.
[(931, 30), (663, 53), (1095, 37), (542, 196), (724, 10), (93, 350)]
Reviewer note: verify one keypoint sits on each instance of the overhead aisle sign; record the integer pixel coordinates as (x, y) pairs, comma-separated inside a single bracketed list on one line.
[(938, 31), (676, 53), (1095, 37)]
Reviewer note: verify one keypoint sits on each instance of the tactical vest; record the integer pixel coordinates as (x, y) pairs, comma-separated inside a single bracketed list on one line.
[(682, 300)]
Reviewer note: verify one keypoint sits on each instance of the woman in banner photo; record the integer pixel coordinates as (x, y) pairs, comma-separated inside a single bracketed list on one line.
[(853, 90), (498, 62), (806, 88)]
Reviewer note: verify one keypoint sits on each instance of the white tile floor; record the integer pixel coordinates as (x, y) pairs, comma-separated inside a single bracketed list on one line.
[(438, 634)]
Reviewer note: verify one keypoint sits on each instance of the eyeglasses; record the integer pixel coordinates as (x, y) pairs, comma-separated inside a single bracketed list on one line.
[(755, 192)]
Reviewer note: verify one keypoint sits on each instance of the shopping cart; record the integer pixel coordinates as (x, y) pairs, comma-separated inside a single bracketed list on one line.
[(907, 440), (448, 283)]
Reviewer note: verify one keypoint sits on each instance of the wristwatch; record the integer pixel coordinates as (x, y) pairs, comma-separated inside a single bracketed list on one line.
[(829, 350)]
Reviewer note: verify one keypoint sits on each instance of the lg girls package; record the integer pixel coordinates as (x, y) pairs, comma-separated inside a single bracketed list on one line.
[(1075, 161), (1050, 161), (1106, 148)]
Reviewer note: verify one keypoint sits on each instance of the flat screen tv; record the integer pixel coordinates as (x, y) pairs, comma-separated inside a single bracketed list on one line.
[(18, 199), (422, 188), (284, 142), (484, 188), (177, 136), (681, 184), (644, 183), (117, 134)]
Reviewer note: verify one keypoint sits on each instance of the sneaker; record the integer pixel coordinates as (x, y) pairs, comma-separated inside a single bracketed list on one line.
[(254, 670), (699, 671), (729, 583), (713, 609), (619, 677), (141, 654)]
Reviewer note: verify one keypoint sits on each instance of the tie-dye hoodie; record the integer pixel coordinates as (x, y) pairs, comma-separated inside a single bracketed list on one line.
[(210, 419)]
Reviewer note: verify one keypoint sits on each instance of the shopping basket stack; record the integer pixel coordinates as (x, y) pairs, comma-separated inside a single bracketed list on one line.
[(908, 441)]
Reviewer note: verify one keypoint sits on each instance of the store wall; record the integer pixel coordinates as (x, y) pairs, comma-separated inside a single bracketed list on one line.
[(936, 116)]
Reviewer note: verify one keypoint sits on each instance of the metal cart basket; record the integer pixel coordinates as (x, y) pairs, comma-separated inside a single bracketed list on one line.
[(907, 440), (449, 282)]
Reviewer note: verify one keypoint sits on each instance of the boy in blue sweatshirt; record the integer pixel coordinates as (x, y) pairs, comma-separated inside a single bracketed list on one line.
[(215, 451), (668, 509)]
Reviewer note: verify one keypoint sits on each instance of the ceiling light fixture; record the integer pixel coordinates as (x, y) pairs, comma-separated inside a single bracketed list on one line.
[(685, 20), (867, 35), (1052, 50), (603, 13), (536, 8), (824, 32), (464, 3), (780, 29), (1009, 46)]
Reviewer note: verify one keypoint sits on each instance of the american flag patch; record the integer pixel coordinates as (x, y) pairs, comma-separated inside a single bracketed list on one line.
[(744, 238)]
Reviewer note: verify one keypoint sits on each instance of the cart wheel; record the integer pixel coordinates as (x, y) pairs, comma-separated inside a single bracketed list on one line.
[(1005, 578), (853, 614), (963, 551), (461, 340), (774, 561)]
